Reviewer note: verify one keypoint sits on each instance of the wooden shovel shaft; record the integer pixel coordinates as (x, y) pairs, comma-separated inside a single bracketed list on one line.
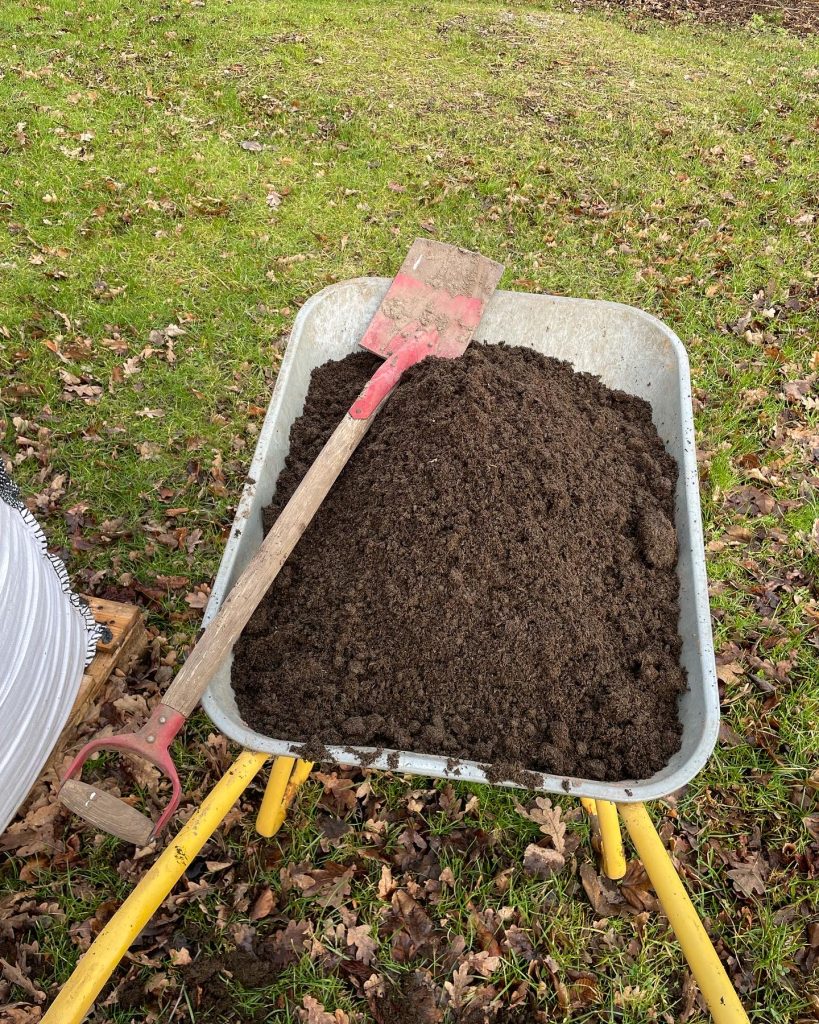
[(224, 630)]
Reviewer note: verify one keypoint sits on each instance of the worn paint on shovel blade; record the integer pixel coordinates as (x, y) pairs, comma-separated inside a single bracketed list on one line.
[(438, 294)]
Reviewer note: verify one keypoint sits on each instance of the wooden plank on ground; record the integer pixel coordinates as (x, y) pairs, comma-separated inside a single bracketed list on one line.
[(128, 640)]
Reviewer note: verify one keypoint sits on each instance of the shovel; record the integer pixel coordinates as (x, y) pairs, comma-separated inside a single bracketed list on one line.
[(432, 308)]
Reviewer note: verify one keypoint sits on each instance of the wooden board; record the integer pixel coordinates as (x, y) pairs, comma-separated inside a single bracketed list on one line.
[(128, 640)]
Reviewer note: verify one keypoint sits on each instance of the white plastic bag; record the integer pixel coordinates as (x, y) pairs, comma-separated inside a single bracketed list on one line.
[(47, 637)]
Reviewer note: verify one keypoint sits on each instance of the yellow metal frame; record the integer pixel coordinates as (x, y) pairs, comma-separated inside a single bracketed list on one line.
[(603, 815), (286, 776), (714, 983), (282, 786), (98, 962)]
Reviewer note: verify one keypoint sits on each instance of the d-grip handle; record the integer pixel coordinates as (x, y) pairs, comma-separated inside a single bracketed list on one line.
[(110, 813), (106, 812), (113, 815)]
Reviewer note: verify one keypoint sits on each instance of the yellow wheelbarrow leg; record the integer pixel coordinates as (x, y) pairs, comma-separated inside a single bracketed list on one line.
[(710, 975), (268, 821), (606, 828), (611, 840), (589, 806), (299, 777), (98, 963), (280, 793)]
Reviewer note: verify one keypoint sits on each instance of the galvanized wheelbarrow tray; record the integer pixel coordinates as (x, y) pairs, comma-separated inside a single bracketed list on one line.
[(629, 350)]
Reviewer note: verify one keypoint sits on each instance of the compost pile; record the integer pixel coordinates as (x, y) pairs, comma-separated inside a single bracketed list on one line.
[(492, 577)]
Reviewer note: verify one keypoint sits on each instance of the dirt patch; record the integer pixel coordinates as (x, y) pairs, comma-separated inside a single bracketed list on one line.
[(491, 578), (207, 978), (411, 999), (798, 16), (206, 981)]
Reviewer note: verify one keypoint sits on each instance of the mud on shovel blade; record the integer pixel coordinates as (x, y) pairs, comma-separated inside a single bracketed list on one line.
[(432, 308)]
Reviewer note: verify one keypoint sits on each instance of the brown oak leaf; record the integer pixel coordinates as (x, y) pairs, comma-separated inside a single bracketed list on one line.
[(541, 863), (362, 941)]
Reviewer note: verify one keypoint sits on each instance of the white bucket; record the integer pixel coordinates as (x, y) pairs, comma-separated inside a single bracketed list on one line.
[(47, 636)]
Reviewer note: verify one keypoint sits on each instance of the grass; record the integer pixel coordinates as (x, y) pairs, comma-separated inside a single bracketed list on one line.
[(670, 168)]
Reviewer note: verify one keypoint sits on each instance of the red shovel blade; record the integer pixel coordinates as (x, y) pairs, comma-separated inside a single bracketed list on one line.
[(435, 302)]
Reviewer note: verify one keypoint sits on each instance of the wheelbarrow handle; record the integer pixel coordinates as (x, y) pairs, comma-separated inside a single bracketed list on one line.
[(77, 995), (709, 974)]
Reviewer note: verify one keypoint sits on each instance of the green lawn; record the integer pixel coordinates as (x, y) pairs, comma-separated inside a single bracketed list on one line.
[(176, 179)]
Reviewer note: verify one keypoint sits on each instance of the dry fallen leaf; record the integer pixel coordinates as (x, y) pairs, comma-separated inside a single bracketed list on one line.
[(520, 942), (361, 940), (20, 1014), (548, 817), (483, 933), (457, 988), (416, 935), (730, 673), (386, 885), (263, 905), (483, 963), (289, 944), (728, 736), (811, 823), (13, 974), (541, 863), (796, 390), (313, 1012), (252, 146), (583, 992), (157, 983), (148, 450), (635, 886), (604, 896), (751, 501), (748, 877)]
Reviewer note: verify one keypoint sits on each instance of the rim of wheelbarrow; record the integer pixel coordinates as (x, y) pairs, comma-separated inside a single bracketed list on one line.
[(586, 332)]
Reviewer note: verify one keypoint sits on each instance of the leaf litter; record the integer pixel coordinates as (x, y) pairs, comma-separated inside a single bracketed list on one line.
[(758, 667)]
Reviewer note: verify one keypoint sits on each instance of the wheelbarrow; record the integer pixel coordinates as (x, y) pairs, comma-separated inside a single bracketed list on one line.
[(630, 350)]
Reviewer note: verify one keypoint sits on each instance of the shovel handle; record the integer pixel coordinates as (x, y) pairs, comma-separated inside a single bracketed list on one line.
[(226, 627), (108, 812)]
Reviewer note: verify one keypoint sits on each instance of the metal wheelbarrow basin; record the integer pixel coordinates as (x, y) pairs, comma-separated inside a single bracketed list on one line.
[(629, 350)]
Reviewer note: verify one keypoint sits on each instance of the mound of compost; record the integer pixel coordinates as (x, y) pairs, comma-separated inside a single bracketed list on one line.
[(492, 577)]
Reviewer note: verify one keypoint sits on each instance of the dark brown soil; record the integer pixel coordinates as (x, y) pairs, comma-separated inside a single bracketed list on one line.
[(798, 16), (492, 577), (212, 997)]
